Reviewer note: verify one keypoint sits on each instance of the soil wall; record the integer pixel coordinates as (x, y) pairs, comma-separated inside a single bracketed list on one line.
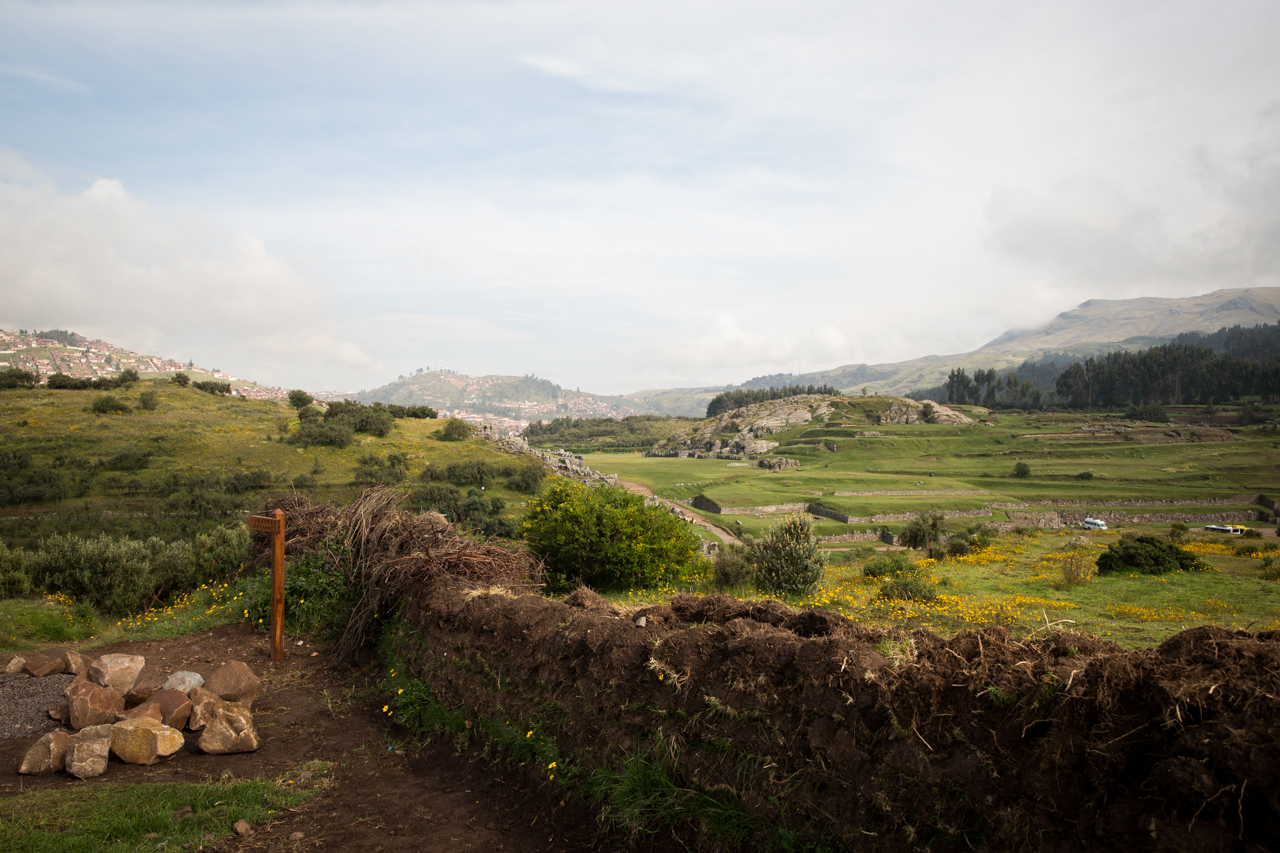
[(881, 741)]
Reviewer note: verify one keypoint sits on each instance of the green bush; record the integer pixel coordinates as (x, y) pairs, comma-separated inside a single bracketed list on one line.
[(125, 576), (528, 477), (319, 592), (323, 433), (894, 563), (1153, 412), (372, 469), (441, 497), (786, 557), (1150, 555), (455, 429), (731, 566), (1084, 475), (605, 537), (922, 531), (109, 404), (180, 379), (907, 588), (1021, 470), (1254, 549), (15, 582), (149, 400), (469, 472), (300, 399)]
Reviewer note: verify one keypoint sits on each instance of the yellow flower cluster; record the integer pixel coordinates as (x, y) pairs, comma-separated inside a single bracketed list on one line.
[(184, 607), (1217, 549)]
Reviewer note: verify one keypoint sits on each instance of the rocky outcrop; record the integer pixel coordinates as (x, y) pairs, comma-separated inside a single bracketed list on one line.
[(904, 411)]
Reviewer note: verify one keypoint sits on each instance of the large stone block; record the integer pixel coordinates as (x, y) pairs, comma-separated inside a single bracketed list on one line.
[(184, 680), (15, 665), (203, 705), (92, 704), (175, 707), (235, 682), (38, 666), (47, 755), (144, 741), (230, 730), (150, 710), (75, 663), (88, 758), (143, 691), (119, 672)]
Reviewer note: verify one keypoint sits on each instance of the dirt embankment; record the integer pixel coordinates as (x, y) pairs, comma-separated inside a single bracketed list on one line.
[(887, 742)]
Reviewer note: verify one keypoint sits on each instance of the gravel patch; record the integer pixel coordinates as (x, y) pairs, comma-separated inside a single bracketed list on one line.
[(25, 702)]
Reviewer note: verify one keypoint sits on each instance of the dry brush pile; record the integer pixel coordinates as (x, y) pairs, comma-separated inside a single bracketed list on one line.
[(391, 552)]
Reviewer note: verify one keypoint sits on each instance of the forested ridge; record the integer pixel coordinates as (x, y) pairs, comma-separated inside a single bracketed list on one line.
[(1235, 363)]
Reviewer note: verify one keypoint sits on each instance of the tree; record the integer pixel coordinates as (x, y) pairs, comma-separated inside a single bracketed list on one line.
[(926, 412), (149, 400), (922, 531), (786, 557), (1021, 470), (181, 379), (300, 399), (455, 429), (15, 377), (605, 537)]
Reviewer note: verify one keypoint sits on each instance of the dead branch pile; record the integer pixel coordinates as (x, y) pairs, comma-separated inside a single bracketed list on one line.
[(392, 552)]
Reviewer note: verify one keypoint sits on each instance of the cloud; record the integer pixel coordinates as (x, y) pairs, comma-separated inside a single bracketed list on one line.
[(106, 264), (51, 80), (1088, 232)]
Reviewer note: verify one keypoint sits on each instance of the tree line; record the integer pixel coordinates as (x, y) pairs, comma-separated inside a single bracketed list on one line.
[(739, 397), (1194, 368)]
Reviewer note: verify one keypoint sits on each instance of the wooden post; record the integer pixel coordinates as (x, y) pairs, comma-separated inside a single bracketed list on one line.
[(274, 524)]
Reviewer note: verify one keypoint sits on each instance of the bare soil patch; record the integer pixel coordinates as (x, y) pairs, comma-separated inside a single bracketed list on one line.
[(387, 795)]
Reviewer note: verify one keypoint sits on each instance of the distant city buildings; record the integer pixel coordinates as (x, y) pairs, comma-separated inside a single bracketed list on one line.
[(86, 359)]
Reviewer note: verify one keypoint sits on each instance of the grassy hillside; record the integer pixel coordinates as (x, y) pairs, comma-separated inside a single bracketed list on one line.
[(119, 470)]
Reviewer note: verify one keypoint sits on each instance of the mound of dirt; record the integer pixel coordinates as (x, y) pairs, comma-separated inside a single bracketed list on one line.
[(882, 739)]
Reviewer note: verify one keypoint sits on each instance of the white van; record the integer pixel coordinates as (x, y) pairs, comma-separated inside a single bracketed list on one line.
[(1094, 524), (1223, 528)]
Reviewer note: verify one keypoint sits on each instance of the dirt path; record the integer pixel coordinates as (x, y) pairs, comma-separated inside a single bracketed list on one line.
[(640, 489), (387, 795)]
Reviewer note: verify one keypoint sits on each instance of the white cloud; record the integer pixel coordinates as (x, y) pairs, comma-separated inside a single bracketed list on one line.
[(105, 264)]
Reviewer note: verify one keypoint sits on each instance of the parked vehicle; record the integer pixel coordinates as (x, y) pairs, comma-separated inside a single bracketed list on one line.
[(1223, 528), (1094, 524)]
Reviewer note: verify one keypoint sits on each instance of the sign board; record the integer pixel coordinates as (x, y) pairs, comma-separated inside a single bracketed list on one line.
[(274, 524)]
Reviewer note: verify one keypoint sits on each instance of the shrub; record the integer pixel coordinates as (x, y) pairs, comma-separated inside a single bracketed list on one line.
[(300, 399), (1153, 412), (1149, 555), (605, 537), (528, 477), (1254, 549), (323, 433), (1178, 531), (455, 429), (484, 513), (907, 588), (15, 377), (958, 546), (1075, 566), (786, 557), (374, 420), (149, 400), (731, 566), (109, 404), (431, 471), (14, 580), (181, 379), (319, 592), (1252, 533), (1021, 470), (441, 497), (922, 531), (372, 469), (128, 459), (888, 564), (469, 472), (310, 413), (218, 389), (1084, 475)]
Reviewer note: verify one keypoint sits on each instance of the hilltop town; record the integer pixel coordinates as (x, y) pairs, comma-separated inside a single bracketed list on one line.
[(51, 352)]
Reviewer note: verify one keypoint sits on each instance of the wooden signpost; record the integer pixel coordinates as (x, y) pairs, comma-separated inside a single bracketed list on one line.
[(274, 524)]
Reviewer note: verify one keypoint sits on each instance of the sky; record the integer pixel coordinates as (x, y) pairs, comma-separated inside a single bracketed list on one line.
[(621, 195)]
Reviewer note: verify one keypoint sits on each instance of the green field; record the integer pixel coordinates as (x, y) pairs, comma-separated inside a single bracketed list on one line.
[(965, 458)]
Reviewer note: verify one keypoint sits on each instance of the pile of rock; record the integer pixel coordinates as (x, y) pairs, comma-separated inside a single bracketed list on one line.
[(109, 711)]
